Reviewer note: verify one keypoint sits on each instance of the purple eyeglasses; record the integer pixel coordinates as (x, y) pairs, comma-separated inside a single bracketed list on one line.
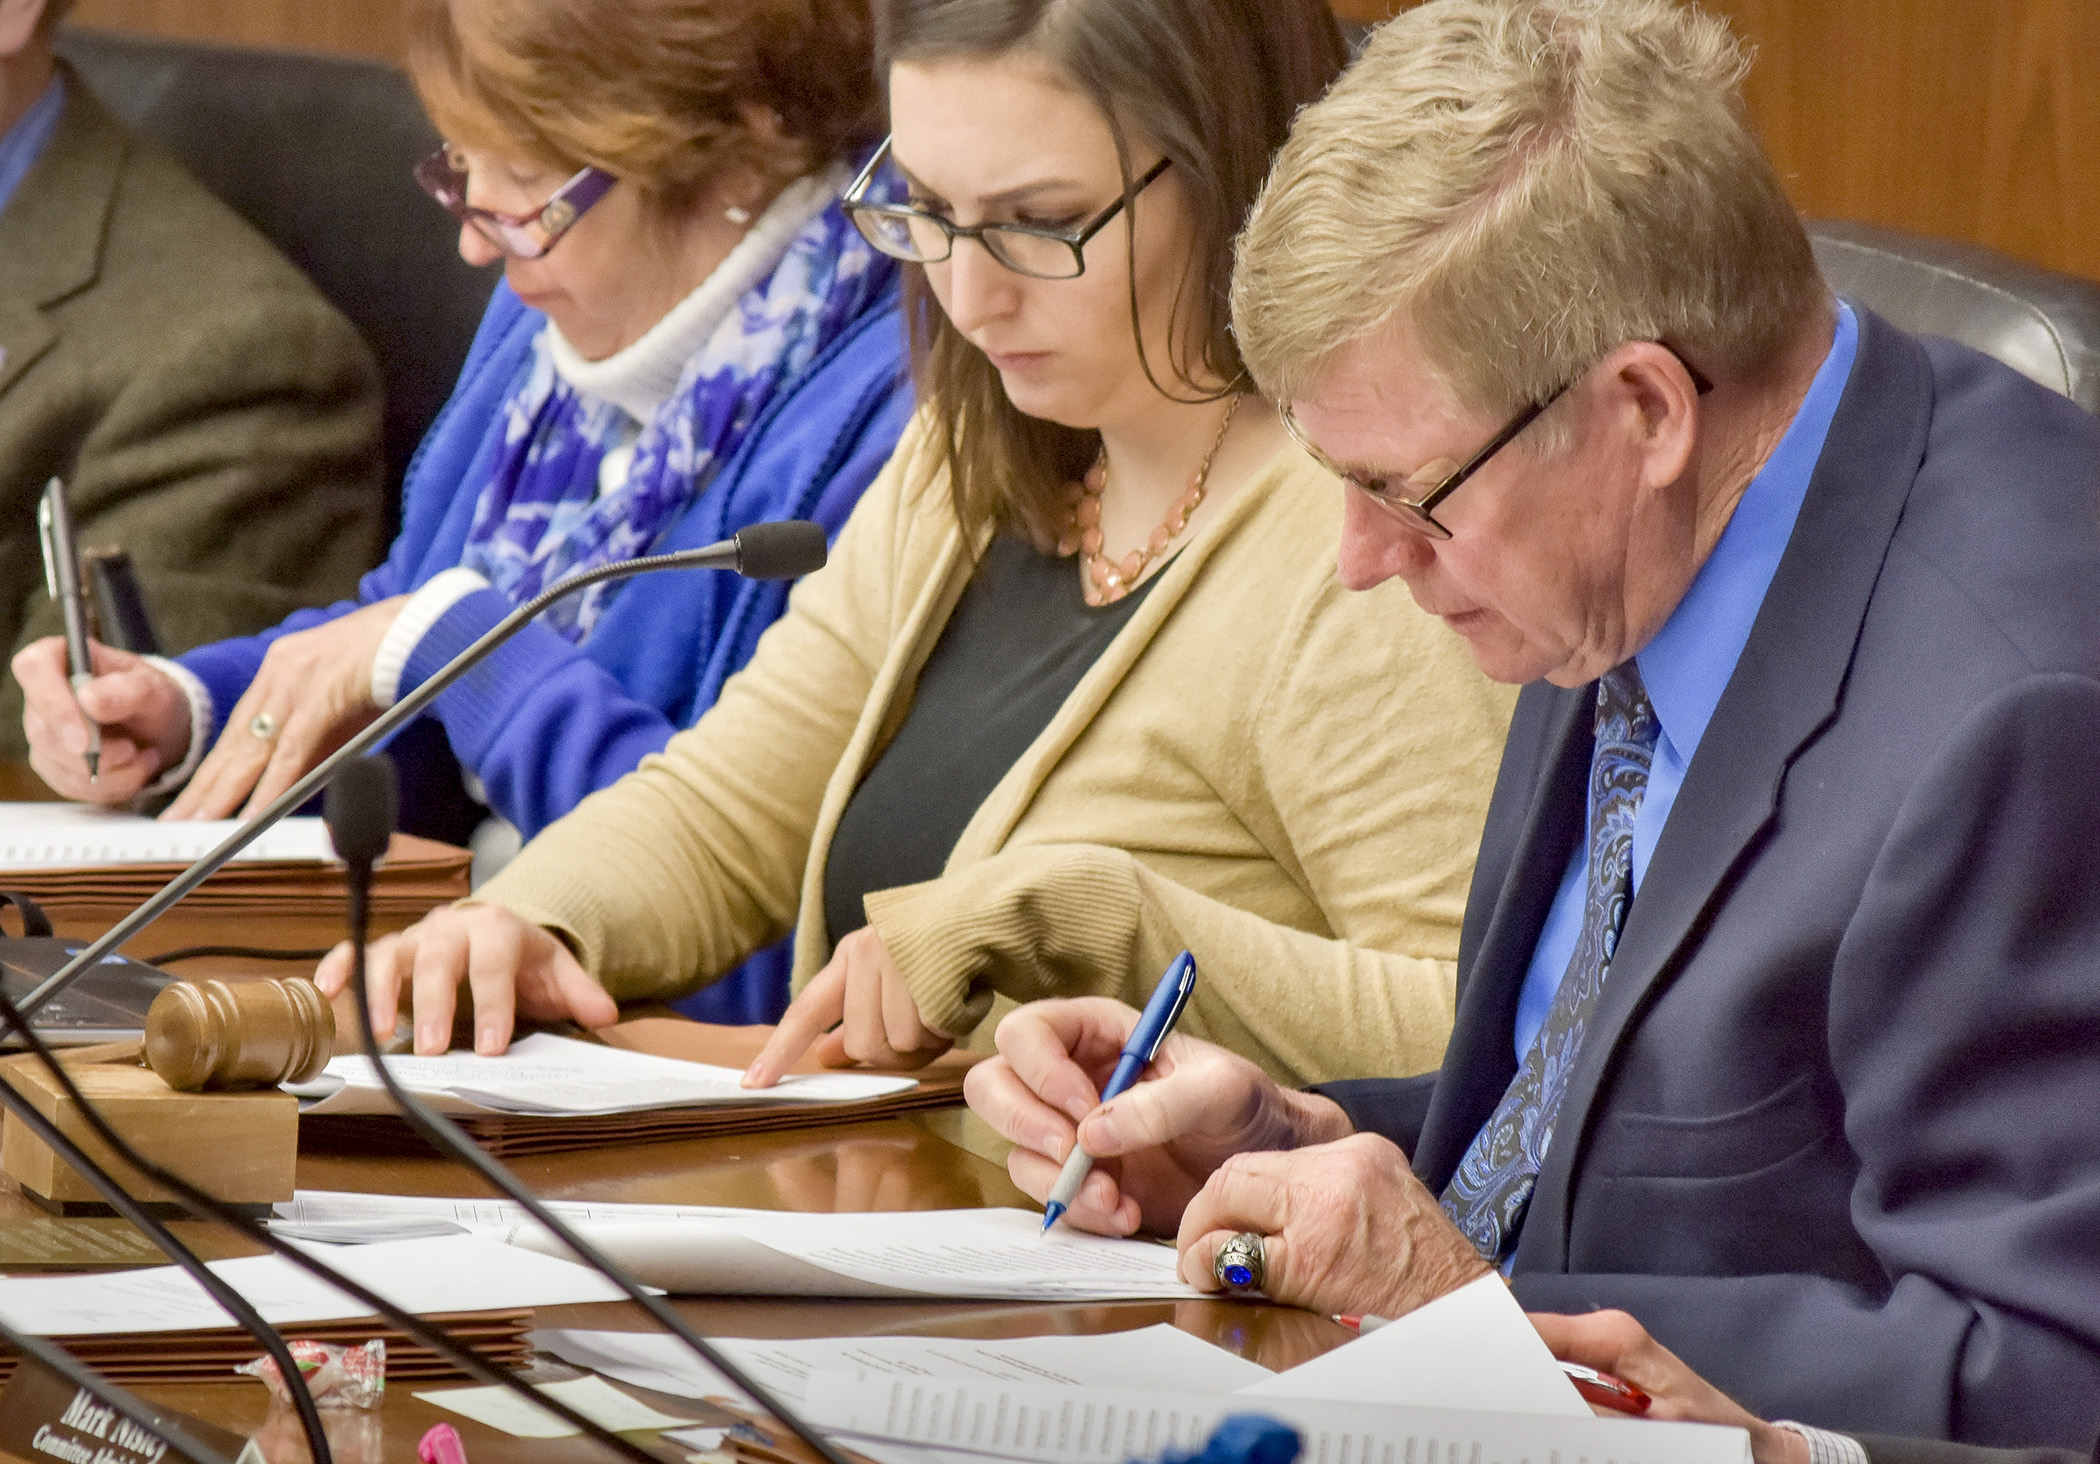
[(521, 236)]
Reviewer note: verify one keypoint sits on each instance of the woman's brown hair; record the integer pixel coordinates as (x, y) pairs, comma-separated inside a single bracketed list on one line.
[(1214, 85), (659, 93)]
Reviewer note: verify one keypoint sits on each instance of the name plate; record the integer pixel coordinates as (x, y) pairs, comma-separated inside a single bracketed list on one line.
[(46, 1418)]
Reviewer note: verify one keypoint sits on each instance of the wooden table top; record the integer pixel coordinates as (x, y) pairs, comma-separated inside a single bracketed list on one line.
[(896, 1164)]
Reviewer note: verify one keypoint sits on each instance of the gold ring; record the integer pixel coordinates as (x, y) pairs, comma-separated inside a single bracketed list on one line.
[(263, 727)]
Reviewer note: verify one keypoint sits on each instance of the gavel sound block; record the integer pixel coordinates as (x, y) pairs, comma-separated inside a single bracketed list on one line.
[(205, 1044)]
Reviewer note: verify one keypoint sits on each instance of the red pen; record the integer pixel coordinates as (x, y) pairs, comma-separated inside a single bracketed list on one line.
[(441, 1446), (1606, 1391)]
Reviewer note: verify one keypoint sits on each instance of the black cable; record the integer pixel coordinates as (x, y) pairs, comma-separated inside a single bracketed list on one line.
[(207, 1206), (345, 795), (230, 1301), (236, 953), (85, 1378)]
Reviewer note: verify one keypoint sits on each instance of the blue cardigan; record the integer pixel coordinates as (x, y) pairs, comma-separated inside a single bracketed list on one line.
[(543, 723)]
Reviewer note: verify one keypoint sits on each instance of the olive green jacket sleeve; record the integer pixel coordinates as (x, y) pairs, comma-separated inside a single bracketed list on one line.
[(211, 414)]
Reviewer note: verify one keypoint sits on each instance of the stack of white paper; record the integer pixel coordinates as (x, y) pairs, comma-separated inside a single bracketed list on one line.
[(458, 1274), (1160, 1357), (938, 1421), (1463, 1378), (558, 1077), (694, 1250), (75, 836), (353, 1217)]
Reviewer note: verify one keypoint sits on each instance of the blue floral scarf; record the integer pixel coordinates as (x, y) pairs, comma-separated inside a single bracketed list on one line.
[(540, 517)]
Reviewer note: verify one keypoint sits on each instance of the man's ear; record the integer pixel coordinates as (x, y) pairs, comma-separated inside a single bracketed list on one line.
[(1666, 401), (19, 23)]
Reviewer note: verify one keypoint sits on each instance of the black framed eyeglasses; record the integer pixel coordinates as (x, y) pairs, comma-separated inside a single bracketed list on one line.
[(1413, 500), (918, 237)]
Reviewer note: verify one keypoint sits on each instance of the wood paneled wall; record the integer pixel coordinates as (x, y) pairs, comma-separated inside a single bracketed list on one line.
[(363, 27), (1973, 119)]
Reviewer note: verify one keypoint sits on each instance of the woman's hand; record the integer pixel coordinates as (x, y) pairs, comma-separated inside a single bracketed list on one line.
[(1346, 1228), (862, 988), (315, 690), (1613, 1342), (1159, 1142), (145, 721), (510, 966)]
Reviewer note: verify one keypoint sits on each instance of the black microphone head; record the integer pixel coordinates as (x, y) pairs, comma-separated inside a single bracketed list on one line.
[(360, 809), (787, 549)]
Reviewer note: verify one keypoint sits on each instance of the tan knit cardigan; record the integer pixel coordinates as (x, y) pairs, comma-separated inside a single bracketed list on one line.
[(1284, 777)]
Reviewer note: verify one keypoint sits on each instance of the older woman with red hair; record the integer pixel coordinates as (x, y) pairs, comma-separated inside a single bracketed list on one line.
[(690, 336)]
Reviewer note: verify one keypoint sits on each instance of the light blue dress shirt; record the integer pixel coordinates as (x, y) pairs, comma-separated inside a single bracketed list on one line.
[(1688, 664), (25, 142)]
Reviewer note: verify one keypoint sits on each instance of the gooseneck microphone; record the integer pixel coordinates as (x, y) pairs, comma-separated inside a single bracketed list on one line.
[(360, 812), (770, 551)]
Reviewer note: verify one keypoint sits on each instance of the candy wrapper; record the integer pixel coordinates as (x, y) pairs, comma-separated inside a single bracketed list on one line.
[(338, 1377)]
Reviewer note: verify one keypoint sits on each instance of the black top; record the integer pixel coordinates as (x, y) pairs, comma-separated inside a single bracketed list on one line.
[(1020, 639)]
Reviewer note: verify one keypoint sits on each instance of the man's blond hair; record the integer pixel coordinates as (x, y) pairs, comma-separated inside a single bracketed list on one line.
[(1533, 182)]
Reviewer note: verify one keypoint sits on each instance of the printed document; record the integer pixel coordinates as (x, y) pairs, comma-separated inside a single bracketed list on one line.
[(1000, 1255), (551, 1076), (1473, 1349), (76, 836), (1048, 1424), (1160, 1357), (351, 1217), (701, 1250)]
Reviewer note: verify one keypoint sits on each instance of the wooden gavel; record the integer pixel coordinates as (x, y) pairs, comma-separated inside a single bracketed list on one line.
[(218, 1035)]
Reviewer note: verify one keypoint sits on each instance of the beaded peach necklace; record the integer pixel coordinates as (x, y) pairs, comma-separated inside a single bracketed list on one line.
[(1106, 580)]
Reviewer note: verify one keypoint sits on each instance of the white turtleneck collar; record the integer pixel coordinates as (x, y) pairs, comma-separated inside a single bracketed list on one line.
[(640, 378)]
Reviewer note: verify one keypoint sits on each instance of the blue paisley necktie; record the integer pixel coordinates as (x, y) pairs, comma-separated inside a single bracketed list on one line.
[(1488, 1195)]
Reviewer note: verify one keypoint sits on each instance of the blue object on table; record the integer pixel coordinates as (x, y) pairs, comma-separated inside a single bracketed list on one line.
[(1162, 1010), (1244, 1438)]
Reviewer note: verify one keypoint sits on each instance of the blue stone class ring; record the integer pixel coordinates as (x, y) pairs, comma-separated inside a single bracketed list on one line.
[(1241, 1264)]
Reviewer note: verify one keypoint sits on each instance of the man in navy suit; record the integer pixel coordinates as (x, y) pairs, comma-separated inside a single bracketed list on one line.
[(1778, 1019)]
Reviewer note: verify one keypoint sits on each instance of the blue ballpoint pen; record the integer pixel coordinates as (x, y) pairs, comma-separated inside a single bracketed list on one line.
[(1158, 1019)]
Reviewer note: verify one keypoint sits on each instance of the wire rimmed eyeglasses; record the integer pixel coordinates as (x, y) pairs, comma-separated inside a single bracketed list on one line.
[(918, 237), (1429, 488)]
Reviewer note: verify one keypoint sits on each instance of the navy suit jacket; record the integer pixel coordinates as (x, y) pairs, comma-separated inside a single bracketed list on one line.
[(1834, 1133)]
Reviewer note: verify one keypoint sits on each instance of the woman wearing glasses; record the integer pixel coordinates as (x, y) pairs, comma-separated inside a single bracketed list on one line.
[(690, 337), (1078, 688)]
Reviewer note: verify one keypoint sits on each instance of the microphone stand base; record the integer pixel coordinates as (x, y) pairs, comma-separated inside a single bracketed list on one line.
[(241, 1147)]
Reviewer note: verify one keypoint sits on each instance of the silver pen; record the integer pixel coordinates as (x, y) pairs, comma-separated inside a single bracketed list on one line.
[(54, 524)]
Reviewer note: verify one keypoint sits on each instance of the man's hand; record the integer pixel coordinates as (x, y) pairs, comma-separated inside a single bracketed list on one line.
[(510, 966), (1196, 1106), (315, 687), (145, 721), (1613, 1342), (1347, 1229), (862, 987)]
